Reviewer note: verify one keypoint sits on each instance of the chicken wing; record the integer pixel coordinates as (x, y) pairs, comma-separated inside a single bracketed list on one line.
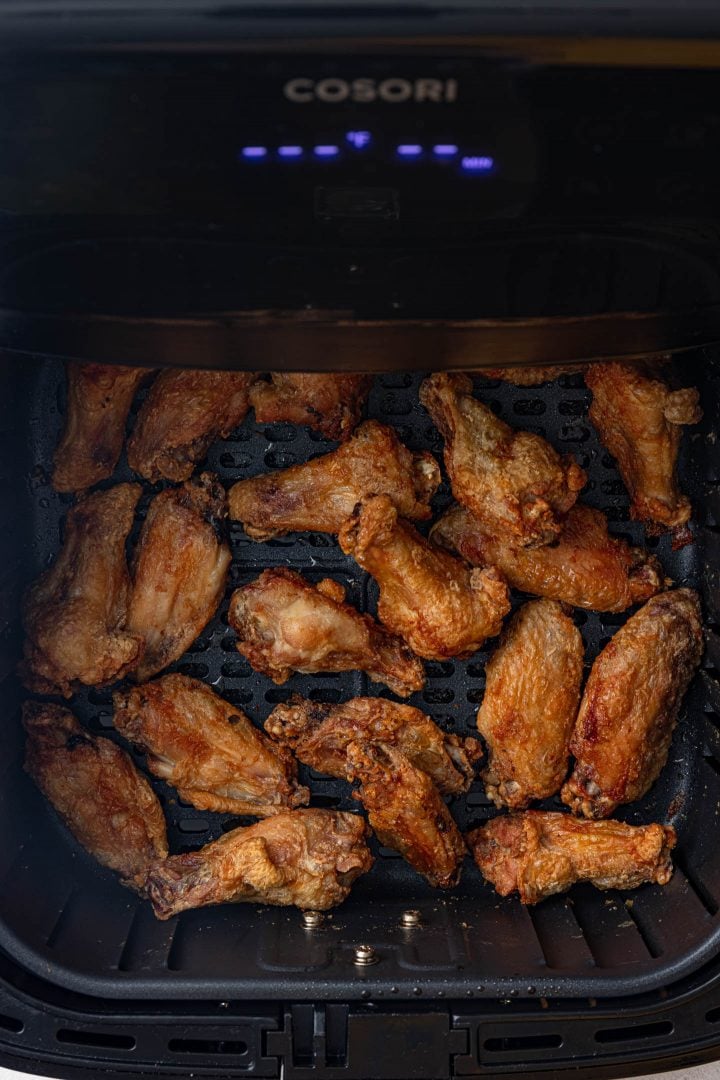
[(99, 397), (329, 403), (285, 624), (530, 703), (432, 599), (183, 414), (306, 858), (631, 702), (206, 748), (97, 791), (319, 736), (640, 421), (406, 812), (539, 854), (514, 482), (319, 495), (180, 570), (585, 567), (527, 375), (75, 614)]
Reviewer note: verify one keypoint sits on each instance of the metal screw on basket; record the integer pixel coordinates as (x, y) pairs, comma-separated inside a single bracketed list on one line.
[(411, 918), (365, 955), (311, 920)]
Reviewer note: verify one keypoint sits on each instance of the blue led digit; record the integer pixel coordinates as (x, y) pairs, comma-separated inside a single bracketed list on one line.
[(359, 140), (409, 150), (477, 163), (326, 151), (445, 150), (254, 153), (290, 151)]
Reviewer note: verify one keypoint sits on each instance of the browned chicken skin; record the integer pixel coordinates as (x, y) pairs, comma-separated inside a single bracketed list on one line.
[(530, 703), (320, 494), (406, 812), (320, 734), (206, 748), (75, 614), (97, 791), (528, 375), (285, 624), (585, 567), (432, 599), (99, 397), (306, 858), (185, 411), (514, 482), (631, 702), (329, 403), (640, 420), (539, 854), (180, 570)]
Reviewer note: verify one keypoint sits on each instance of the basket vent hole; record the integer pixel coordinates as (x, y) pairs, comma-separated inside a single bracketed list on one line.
[(636, 1031), (9, 1023), (208, 1046), (193, 825), (111, 1041), (523, 1042)]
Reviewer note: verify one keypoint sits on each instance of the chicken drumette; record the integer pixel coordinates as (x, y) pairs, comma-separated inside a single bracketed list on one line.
[(306, 858), (285, 624), (329, 403), (320, 494), (513, 482), (528, 375)]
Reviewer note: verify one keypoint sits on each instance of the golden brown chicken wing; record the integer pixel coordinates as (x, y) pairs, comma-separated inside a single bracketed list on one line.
[(319, 495), (285, 624), (432, 599), (75, 614), (640, 420), (320, 734), (527, 375), (406, 812), (206, 748), (530, 703), (585, 567), (185, 411), (99, 397), (97, 791), (514, 482), (539, 854), (631, 702), (306, 858), (180, 570), (329, 403)]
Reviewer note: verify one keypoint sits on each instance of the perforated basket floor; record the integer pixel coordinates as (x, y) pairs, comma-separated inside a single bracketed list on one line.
[(67, 920)]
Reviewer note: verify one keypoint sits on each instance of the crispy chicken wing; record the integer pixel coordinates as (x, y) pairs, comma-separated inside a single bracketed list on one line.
[(329, 403), (524, 375), (320, 734), (514, 482), (319, 495), (406, 812), (99, 397), (75, 613), (285, 624), (640, 421), (530, 703), (585, 567), (432, 599), (180, 570), (206, 748), (539, 854), (306, 858), (183, 414), (631, 702), (97, 791)]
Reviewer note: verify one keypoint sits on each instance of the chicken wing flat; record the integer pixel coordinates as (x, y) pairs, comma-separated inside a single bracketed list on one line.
[(329, 403), (440, 606), (285, 624), (97, 791), (514, 482), (99, 397), (180, 570), (75, 614), (319, 495), (305, 858), (320, 734), (539, 854), (524, 375), (207, 749), (530, 704), (585, 566), (183, 414), (640, 421), (407, 813), (631, 702)]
